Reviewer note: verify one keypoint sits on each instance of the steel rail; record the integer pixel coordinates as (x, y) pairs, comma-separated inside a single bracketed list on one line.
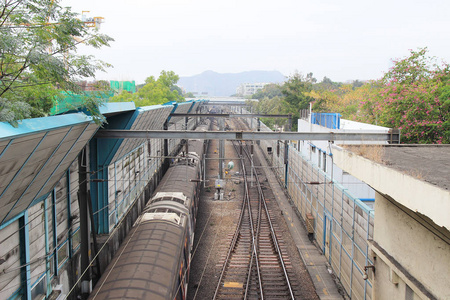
[(230, 249), (254, 237), (233, 242), (274, 237)]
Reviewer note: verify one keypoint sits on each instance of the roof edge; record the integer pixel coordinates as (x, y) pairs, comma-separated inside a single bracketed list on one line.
[(31, 126)]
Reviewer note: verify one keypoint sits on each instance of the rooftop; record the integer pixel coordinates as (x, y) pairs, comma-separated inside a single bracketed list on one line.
[(429, 163), (416, 176)]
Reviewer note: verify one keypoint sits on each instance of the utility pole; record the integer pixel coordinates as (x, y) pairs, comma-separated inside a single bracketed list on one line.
[(221, 150)]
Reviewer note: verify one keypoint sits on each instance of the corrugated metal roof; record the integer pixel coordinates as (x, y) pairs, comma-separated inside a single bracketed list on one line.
[(181, 108), (35, 155), (195, 107), (145, 118)]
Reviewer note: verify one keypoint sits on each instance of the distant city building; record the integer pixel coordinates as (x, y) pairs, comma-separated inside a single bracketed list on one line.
[(247, 89), (90, 86)]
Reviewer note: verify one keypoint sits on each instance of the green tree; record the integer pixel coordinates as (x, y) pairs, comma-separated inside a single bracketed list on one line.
[(270, 91), (189, 95), (273, 105), (154, 91), (327, 85), (357, 83), (37, 43), (296, 94), (296, 89), (414, 97)]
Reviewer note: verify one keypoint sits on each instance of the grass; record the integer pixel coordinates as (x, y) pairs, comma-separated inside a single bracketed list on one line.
[(415, 173), (376, 153)]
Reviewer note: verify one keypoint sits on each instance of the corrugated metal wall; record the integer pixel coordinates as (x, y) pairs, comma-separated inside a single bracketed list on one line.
[(342, 222), (52, 229)]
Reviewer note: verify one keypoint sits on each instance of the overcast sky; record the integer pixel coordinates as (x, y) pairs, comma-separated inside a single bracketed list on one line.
[(342, 40)]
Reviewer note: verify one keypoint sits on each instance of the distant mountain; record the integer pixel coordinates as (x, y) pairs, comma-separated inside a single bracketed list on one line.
[(210, 83)]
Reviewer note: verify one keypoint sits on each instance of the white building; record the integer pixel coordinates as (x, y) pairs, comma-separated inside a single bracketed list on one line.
[(319, 152), (247, 89)]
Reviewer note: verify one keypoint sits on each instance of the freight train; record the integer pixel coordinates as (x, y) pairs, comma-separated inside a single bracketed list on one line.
[(153, 261)]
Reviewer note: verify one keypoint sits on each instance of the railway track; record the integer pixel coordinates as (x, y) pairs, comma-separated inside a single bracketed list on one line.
[(255, 265)]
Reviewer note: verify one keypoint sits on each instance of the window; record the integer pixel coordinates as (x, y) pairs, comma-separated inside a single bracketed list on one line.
[(63, 254), (319, 159), (76, 240), (409, 293), (168, 199), (40, 289)]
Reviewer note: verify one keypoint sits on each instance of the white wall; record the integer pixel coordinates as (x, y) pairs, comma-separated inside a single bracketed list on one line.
[(355, 186)]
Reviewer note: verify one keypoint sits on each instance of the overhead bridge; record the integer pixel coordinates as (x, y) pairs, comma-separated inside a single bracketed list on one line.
[(230, 115), (218, 103), (392, 136)]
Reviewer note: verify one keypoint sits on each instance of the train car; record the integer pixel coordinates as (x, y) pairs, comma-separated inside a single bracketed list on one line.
[(153, 261)]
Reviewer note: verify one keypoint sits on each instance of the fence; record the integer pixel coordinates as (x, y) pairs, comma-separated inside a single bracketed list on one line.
[(342, 223)]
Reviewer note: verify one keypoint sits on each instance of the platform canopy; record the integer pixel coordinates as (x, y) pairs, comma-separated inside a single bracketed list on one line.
[(34, 157)]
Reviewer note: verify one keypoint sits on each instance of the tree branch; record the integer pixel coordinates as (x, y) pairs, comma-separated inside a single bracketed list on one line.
[(9, 13)]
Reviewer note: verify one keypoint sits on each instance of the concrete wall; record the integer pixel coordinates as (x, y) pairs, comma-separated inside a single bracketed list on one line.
[(405, 189), (419, 258), (410, 246)]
